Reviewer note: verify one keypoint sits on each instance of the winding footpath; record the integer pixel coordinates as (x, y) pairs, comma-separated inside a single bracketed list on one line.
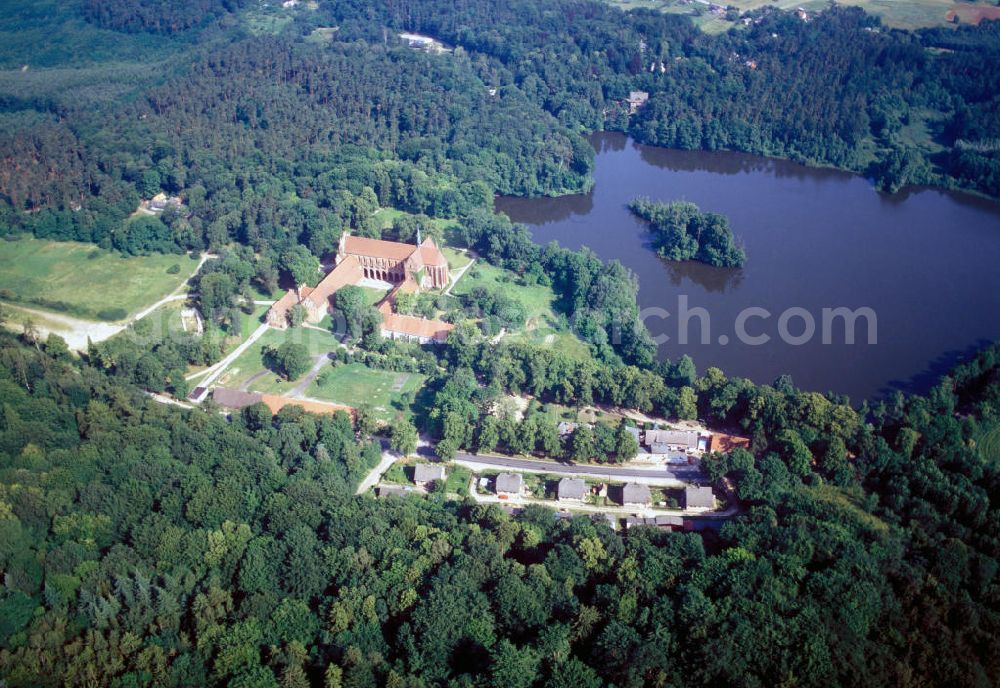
[(78, 331)]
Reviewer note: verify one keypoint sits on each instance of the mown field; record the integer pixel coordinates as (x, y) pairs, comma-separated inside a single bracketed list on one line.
[(355, 384), (989, 443), (84, 281), (248, 369)]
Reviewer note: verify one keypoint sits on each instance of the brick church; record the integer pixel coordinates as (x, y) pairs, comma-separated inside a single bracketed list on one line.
[(396, 262), (408, 267)]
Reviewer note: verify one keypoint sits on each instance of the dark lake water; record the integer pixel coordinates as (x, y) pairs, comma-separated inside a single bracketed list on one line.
[(925, 261)]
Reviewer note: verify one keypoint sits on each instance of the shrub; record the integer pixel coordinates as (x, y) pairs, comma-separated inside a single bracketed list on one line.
[(112, 314), (173, 269)]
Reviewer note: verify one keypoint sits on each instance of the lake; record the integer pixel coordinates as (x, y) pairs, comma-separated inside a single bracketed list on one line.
[(925, 261)]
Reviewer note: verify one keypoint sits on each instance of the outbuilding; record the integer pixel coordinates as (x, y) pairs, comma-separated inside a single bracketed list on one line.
[(699, 497)]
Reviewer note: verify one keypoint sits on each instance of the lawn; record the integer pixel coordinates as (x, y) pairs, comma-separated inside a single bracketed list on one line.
[(456, 481), (387, 216), (248, 369), (84, 281), (264, 20), (374, 296), (543, 326), (355, 384), (160, 324), (551, 338), (538, 300), (989, 444), (456, 259), (558, 413)]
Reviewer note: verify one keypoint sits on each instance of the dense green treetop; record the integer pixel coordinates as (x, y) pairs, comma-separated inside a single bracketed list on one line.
[(147, 545), (683, 232)]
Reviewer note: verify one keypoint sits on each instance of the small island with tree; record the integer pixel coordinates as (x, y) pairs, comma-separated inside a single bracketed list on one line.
[(683, 232)]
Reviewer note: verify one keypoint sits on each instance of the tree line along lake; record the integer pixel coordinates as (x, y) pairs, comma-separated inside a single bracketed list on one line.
[(925, 261)]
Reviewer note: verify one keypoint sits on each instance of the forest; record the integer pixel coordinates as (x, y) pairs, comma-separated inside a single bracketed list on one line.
[(277, 139), (142, 544), (146, 545), (682, 231)]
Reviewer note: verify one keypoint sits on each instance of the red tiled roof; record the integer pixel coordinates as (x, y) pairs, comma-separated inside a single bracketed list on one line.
[(431, 255), (281, 307), (721, 442), (364, 246), (412, 326), (347, 272)]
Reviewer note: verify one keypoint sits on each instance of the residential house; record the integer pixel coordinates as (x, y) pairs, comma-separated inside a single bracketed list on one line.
[(426, 473), (634, 521), (663, 522), (566, 428), (670, 522), (682, 440), (721, 442), (571, 490), (636, 494), (636, 99), (161, 202), (509, 485)]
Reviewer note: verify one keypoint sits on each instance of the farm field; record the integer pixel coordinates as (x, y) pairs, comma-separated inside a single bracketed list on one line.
[(84, 281), (898, 14)]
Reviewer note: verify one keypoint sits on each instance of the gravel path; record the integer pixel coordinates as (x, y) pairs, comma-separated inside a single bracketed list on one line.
[(76, 331)]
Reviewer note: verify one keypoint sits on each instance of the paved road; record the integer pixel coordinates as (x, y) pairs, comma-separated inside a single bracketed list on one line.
[(170, 401), (652, 475), (253, 378), (389, 457)]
